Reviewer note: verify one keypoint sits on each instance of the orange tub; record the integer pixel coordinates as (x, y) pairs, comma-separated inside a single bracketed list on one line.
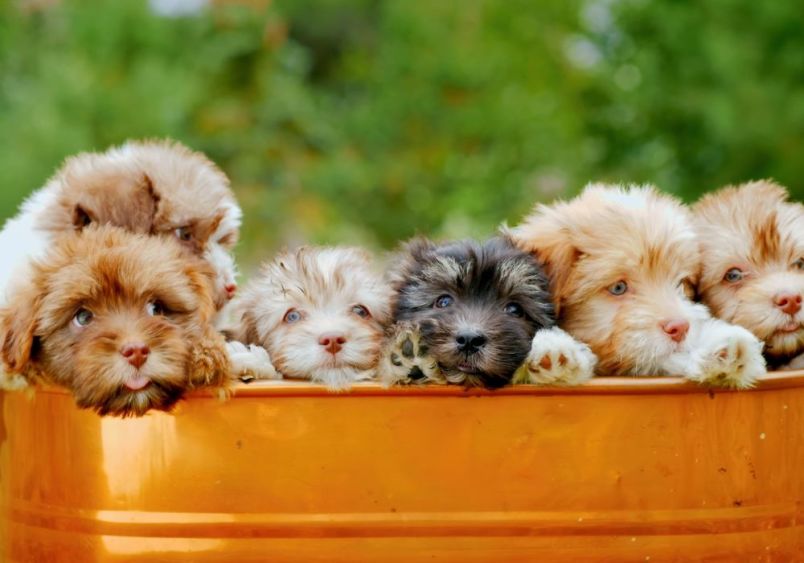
[(616, 470)]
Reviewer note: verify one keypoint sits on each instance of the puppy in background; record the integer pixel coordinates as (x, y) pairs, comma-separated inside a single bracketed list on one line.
[(151, 187), (319, 312), (473, 313), (124, 321), (623, 263), (752, 239)]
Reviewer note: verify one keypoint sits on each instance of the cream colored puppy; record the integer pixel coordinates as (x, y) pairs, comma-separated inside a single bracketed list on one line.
[(319, 312), (752, 241), (623, 262)]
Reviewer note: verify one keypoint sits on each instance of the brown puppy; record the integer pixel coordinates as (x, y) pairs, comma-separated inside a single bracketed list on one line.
[(152, 187), (752, 241), (124, 321), (622, 263)]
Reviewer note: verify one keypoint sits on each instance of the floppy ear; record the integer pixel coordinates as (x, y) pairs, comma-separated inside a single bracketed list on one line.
[(17, 326), (245, 329), (544, 235)]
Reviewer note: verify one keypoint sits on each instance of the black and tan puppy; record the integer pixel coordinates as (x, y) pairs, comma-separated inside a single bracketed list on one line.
[(472, 313)]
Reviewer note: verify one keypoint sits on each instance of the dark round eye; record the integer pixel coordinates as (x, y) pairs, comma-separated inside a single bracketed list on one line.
[(183, 234), (444, 301), (83, 317), (293, 316), (155, 308), (361, 311), (618, 288), (514, 309), (799, 264), (734, 275)]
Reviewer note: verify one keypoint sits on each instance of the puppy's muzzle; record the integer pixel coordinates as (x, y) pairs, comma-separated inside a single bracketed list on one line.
[(470, 342)]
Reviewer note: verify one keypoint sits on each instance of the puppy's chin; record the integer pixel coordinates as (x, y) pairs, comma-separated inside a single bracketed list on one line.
[(102, 380), (339, 378), (785, 344), (492, 367), (122, 401)]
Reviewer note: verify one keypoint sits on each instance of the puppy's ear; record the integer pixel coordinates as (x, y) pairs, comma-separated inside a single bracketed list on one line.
[(544, 235), (17, 327), (81, 217), (245, 329), (411, 257)]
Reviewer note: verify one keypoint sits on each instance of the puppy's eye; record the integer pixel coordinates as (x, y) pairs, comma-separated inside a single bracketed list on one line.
[(443, 302), (734, 275), (184, 234), (618, 288), (514, 309), (293, 316), (155, 308), (799, 264), (361, 311), (83, 317)]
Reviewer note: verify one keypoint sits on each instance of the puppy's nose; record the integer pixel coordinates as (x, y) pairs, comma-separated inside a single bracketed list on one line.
[(470, 342), (136, 353), (230, 289), (676, 329), (332, 342), (788, 302)]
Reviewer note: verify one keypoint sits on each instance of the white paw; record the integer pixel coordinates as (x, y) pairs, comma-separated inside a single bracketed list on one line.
[(556, 358), (728, 356), (250, 362), (405, 358), (13, 382)]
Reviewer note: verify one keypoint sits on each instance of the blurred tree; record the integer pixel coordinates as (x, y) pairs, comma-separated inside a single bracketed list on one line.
[(365, 121)]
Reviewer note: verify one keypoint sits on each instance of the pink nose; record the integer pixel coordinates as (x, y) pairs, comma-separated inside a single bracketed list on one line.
[(230, 289), (332, 342), (676, 329), (788, 302), (136, 353)]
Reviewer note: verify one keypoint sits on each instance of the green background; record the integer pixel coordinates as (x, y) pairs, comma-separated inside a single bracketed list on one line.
[(367, 121)]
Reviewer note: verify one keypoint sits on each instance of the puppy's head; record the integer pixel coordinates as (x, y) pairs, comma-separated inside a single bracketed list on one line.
[(195, 204), (478, 305), (623, 264), (113, 317), (320, 313), (155, 187), (752, 241)]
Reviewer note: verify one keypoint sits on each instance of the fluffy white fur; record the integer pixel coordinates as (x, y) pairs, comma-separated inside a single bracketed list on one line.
[(303, 296), (635, 235), (556, 358)]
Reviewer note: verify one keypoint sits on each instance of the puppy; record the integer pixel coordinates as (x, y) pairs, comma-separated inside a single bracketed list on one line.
[(319, 312), (122, 320), (469, 312), (752, 241), (155, 187), (623, 263)]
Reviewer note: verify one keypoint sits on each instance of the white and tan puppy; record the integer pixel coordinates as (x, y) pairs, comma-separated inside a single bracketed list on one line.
[(622, 263), (752, 239), (319, 312), (152, 187)]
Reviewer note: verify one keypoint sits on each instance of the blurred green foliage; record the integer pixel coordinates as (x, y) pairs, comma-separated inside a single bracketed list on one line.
[(366, 121)]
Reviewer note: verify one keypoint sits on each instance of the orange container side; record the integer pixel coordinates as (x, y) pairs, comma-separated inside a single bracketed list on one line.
[(620, 469)]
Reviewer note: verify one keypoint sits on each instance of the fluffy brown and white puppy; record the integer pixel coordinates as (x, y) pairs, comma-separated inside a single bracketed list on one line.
[(623, 263), (124, 321), (319, 312), (752, 239), (472, 313), (151, 187)]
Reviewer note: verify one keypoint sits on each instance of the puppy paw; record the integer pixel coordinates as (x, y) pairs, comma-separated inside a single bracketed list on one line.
[(729, 356), (556, 358), (13, 382), (250, 362), (405, 358)]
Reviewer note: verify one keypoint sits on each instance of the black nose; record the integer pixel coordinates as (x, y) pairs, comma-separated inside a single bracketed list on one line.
[(470, 342)]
